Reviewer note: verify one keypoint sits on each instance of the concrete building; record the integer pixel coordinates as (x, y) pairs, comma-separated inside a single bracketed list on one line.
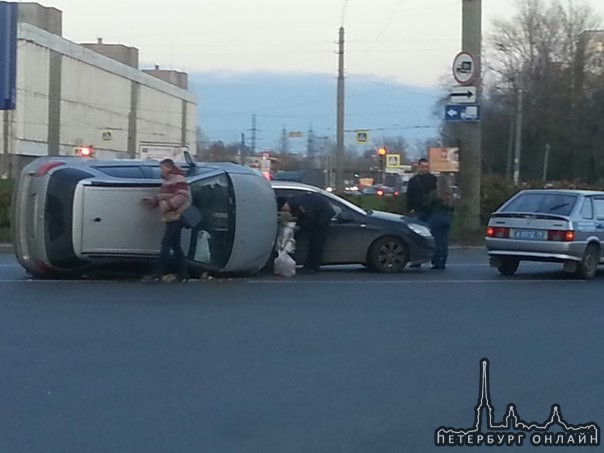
[(71, 95)]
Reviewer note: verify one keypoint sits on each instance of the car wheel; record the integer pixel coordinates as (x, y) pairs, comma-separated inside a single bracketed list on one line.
[(508, 266), (388, 255), (588, 267)]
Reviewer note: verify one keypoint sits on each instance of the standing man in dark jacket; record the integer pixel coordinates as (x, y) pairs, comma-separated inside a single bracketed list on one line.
[(419, 191), (314, 215)]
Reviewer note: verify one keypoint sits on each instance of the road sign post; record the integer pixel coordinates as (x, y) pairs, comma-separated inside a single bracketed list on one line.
[(463, 95), (455, 113), (464, 68)]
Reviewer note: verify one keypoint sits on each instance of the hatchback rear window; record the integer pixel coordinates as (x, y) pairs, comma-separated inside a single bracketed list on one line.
[(543, 203)]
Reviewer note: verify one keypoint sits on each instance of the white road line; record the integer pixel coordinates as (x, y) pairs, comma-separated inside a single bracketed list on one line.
[(408, 282)]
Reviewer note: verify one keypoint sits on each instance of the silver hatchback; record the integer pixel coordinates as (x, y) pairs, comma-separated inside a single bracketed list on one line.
[(561, 226)]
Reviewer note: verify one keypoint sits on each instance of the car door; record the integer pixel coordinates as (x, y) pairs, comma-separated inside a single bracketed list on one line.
[(343, 233), (115, 222)]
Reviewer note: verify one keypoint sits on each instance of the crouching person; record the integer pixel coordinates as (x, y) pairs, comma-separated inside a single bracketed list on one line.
[(173, 199)]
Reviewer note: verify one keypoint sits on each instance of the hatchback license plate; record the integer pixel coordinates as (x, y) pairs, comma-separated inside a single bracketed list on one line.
[(530, 235)]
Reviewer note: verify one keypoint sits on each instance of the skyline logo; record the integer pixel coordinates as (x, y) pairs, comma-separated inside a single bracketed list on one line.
[(513, 431)]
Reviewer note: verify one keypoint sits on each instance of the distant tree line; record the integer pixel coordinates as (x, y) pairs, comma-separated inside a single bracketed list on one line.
[(553, 52)]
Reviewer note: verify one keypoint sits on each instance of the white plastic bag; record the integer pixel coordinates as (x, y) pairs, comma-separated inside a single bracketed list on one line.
[(284, 264), (202, 251), (286, 238)]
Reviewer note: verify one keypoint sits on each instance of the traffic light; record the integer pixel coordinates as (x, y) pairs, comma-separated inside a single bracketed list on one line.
[(382, 152)]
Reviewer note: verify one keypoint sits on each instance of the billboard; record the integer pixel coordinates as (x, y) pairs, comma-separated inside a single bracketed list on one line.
[(8, 55), (444, 160)]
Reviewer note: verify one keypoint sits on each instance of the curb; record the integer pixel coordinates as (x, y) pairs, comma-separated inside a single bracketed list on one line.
[(6, 248)]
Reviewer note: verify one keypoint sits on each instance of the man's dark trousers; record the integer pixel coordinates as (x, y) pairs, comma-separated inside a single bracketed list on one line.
[(318, 235)]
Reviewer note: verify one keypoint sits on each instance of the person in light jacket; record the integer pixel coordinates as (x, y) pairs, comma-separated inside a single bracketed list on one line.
[(173, 199)]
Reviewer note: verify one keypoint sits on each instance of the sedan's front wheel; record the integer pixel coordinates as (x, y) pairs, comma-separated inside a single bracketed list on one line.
[(388, 255)]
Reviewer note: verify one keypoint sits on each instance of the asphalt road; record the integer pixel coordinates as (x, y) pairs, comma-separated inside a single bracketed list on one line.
[(343, 361)]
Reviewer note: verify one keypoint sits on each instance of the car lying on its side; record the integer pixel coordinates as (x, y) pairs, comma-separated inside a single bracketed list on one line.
[(72, 214), (562, 226), (382, 241)]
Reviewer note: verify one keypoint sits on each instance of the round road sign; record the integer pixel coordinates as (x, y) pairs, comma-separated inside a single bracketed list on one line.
[(464, 68)]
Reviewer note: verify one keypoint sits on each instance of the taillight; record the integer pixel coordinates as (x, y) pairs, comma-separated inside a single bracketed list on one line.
[(498, 232), (380, 193), (47, 166), (396, 194), (561, 235)]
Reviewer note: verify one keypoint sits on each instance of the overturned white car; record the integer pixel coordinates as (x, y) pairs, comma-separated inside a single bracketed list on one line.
[(72, 214)]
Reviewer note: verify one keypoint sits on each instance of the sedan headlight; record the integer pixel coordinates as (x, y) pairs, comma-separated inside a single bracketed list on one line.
[(420, 229)]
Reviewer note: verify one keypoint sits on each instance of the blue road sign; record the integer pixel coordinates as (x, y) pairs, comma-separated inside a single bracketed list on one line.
[(8, 55), (462, 113)]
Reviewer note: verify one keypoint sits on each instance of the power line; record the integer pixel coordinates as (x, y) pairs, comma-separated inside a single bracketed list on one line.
[(398, 6)]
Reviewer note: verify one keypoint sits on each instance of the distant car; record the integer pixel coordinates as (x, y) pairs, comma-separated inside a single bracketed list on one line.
[(379, 191), (382, 241), (70, 215), (562, 226)]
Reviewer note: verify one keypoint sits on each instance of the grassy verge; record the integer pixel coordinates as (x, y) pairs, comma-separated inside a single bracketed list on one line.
[(5, 235)]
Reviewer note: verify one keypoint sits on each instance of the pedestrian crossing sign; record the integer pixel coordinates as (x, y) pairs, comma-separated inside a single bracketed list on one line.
[(393, 160), (362, 137)]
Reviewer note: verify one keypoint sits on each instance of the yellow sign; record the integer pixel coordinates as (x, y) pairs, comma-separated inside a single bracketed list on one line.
[(362, 137), (393, 160), (444, 160)]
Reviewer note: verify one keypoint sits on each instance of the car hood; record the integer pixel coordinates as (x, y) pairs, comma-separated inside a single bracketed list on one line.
[(388, 217)]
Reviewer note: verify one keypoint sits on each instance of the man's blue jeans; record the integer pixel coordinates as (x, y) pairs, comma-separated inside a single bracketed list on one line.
[(440, 226), (171, 241)]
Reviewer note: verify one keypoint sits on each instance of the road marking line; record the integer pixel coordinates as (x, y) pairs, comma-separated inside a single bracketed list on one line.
[(305, 282)]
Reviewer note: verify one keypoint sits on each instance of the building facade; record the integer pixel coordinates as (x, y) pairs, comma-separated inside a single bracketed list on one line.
[(73, 95)]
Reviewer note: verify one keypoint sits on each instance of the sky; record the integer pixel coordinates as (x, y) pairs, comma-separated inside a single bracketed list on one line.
[(277, 58), (409, 41)]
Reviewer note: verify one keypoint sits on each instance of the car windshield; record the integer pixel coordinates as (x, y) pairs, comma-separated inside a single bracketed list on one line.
[(543, 203)]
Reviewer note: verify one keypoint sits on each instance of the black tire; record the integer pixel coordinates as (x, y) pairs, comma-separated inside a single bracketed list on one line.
[(588, 267), (388, 255), (508, 266)]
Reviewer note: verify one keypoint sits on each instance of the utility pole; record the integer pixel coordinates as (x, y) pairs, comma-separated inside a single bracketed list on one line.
[(518, 150), (254, 130), (470, 154), (546, 161), (242, 149), (510, 156), (340, 119)]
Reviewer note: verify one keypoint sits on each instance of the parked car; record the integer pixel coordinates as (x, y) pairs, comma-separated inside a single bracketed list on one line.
[(71, 214), (379, 191), (563, 226), (382, 241)]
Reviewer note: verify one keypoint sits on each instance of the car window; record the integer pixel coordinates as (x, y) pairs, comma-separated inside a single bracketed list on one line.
[(587, 211), (338, 203), (544, 203), (599, 208)]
